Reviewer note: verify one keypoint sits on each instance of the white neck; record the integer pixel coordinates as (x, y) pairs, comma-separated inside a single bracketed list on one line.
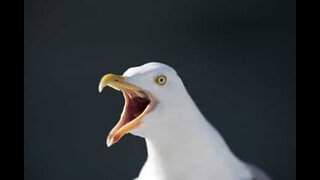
[(190, 144)]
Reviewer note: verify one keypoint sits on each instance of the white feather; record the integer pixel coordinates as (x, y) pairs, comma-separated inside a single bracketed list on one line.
[(181, 143)]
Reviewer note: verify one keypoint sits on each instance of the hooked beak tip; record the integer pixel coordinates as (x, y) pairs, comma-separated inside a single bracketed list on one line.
[(109, 142), (100, 88)]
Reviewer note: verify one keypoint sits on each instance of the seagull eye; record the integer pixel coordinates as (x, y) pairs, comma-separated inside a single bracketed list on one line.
[(161, 80)]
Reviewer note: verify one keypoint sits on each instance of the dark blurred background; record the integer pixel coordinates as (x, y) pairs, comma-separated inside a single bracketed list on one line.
[(245, 49)]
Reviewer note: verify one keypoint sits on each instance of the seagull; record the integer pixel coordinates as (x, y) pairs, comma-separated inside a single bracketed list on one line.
[(181, 143)]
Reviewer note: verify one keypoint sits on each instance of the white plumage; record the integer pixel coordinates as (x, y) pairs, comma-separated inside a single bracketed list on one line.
[(181, 143)]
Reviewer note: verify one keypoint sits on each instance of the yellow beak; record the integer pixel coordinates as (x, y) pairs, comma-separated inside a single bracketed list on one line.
[(121, 128), (117, 82)]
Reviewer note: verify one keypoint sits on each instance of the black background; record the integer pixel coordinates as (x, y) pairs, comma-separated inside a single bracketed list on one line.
[(244, 49)]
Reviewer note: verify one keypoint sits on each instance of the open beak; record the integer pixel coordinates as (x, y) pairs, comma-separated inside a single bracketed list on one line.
[(138, 102)]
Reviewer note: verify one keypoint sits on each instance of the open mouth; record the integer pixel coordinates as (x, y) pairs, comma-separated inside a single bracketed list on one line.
[(134, 106), (138, 102)]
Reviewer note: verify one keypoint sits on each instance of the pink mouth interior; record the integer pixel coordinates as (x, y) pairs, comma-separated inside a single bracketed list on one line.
[(134, 106)]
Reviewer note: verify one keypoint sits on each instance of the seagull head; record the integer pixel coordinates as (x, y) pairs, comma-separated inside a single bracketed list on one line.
[(151, 93)]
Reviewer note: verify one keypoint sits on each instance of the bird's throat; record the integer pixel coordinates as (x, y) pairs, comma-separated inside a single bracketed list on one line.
[(188, 144)]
